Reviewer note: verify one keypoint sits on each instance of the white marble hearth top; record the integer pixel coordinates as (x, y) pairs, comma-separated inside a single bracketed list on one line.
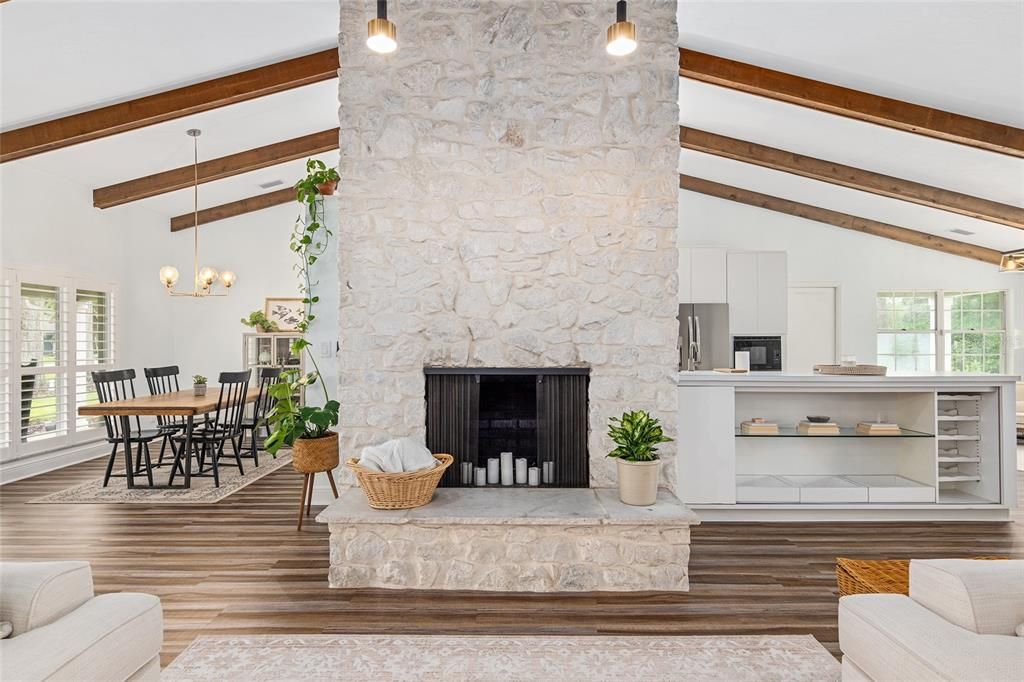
[(518, 506)]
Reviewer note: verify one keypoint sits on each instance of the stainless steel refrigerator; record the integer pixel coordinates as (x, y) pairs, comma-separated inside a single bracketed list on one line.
[(704, 336)]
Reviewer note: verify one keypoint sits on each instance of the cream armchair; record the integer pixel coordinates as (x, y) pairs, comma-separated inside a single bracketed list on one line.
[(62, 631), (957, 624)]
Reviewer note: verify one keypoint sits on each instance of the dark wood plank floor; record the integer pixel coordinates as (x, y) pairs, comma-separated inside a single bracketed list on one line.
[(239, 567)]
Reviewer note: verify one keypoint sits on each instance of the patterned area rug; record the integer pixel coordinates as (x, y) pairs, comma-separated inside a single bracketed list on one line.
[(753, 658), (202, 490)]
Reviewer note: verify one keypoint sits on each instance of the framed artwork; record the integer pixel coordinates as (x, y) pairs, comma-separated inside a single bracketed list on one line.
[(287, 312)]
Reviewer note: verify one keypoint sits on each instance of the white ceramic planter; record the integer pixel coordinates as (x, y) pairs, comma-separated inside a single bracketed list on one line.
[(198, 389), (638, 482)]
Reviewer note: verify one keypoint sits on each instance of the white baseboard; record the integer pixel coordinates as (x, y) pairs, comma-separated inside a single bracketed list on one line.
[(33, 465)]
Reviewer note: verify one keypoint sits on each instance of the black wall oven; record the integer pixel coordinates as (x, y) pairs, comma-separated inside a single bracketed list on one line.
[(765, 352)]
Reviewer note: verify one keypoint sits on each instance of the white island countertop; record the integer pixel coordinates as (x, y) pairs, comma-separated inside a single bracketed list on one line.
[(804, 381)]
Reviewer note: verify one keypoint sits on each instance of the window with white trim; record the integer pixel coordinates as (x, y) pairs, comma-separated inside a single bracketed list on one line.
[(968, 336), (54, 332)]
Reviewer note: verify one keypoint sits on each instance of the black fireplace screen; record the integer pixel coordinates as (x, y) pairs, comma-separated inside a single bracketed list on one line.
[(539, 416)]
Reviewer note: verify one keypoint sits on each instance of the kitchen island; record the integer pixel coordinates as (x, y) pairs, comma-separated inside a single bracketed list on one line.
[(953, 458)]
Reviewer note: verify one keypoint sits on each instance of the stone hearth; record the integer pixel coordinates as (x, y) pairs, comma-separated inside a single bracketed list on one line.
[(569, 540)]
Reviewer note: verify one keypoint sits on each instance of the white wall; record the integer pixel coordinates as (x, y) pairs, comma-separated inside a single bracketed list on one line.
[(861, 265), (48, 223)]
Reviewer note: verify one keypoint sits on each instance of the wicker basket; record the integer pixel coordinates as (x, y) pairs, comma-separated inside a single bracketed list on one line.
[(854, 370), (403, 490), (891, 576), (313, 455)]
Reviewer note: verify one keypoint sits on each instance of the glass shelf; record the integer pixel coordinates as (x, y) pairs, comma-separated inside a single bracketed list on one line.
[(844, 432)]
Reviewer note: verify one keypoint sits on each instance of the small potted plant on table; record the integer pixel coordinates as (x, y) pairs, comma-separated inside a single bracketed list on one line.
[(637, 436), (198, 384)]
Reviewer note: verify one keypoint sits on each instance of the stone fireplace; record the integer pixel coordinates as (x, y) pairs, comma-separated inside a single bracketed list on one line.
[(508, 199)]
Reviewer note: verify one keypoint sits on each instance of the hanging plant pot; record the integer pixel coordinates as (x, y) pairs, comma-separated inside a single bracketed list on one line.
[(327, 188)]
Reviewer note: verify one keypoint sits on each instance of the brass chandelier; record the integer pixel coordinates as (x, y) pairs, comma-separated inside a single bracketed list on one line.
[(204, 278)]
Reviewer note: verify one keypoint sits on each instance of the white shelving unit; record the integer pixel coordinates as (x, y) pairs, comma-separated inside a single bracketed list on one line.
[(947, 463)]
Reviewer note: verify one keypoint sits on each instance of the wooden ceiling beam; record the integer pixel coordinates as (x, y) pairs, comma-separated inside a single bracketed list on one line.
[(849, 176), (837, 219), (215, 169), (235, 208), (168, 105), (862, 106)]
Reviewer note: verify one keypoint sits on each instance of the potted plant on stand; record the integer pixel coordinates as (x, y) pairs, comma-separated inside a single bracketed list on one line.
[(198, 384), (636, 436), (306, 428)]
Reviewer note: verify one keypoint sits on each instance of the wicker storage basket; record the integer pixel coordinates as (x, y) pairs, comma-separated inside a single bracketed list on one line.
[(313, 455), (403, 490), (890, 576), (855, 370)]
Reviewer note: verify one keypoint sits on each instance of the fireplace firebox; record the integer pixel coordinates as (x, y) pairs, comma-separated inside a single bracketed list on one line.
[(537, 415)]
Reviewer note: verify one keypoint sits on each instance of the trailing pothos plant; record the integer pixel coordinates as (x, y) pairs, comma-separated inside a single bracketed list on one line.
[(288, 420), (636, 436)]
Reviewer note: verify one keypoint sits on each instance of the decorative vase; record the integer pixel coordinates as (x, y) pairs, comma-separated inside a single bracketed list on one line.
[(313, 455), (327, 188), (638, 482), (198, 389)]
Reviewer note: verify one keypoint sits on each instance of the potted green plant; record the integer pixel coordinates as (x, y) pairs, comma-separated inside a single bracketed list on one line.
[(306, 428), (198, 384), (636, 436), (258, 321), (319, 180)]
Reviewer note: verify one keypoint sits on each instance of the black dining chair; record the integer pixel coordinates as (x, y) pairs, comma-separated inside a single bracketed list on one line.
[(165, 380), (208, 439), (267, 377), (119, 384)]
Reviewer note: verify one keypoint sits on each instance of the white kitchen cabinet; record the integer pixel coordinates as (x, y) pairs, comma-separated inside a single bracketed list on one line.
[(772, 292), (757, 292), (702, 275), (707, 275), (742, 292)]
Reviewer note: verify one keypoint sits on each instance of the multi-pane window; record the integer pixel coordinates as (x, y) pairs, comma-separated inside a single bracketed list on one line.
[(976, 339), (55, 332), (968, 336), (907, 330)]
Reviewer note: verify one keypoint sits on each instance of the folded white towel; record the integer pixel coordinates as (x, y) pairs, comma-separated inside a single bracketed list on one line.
[(396, 456)]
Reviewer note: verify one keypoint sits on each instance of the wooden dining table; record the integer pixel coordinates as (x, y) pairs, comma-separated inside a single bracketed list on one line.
[(177, 404)]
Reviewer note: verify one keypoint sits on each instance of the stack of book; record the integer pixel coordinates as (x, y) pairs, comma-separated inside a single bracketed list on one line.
[(878, 429), (752, 428), (818, 428)]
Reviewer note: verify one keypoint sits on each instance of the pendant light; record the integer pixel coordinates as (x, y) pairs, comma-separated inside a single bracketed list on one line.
[(204, 277), (621, 34), (1012, 261), (381, 32)]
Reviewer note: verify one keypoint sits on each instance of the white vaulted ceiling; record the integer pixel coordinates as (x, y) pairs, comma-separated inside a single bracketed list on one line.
[(967, 57)]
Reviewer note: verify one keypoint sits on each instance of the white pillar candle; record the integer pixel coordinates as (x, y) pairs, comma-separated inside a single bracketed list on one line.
[(549, 472), (521, 471), (534, 476), (467, 473), (506, 469), (481, 476), (492, 470)]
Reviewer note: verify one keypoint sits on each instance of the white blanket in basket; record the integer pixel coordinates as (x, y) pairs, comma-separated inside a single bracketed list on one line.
[(396, 456)]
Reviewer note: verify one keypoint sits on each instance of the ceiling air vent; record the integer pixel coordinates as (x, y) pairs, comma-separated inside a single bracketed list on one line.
[(962, 231), (272, 183)]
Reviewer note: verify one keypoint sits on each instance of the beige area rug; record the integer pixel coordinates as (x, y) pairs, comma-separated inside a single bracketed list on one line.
[(202, 490), (752, 658)]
